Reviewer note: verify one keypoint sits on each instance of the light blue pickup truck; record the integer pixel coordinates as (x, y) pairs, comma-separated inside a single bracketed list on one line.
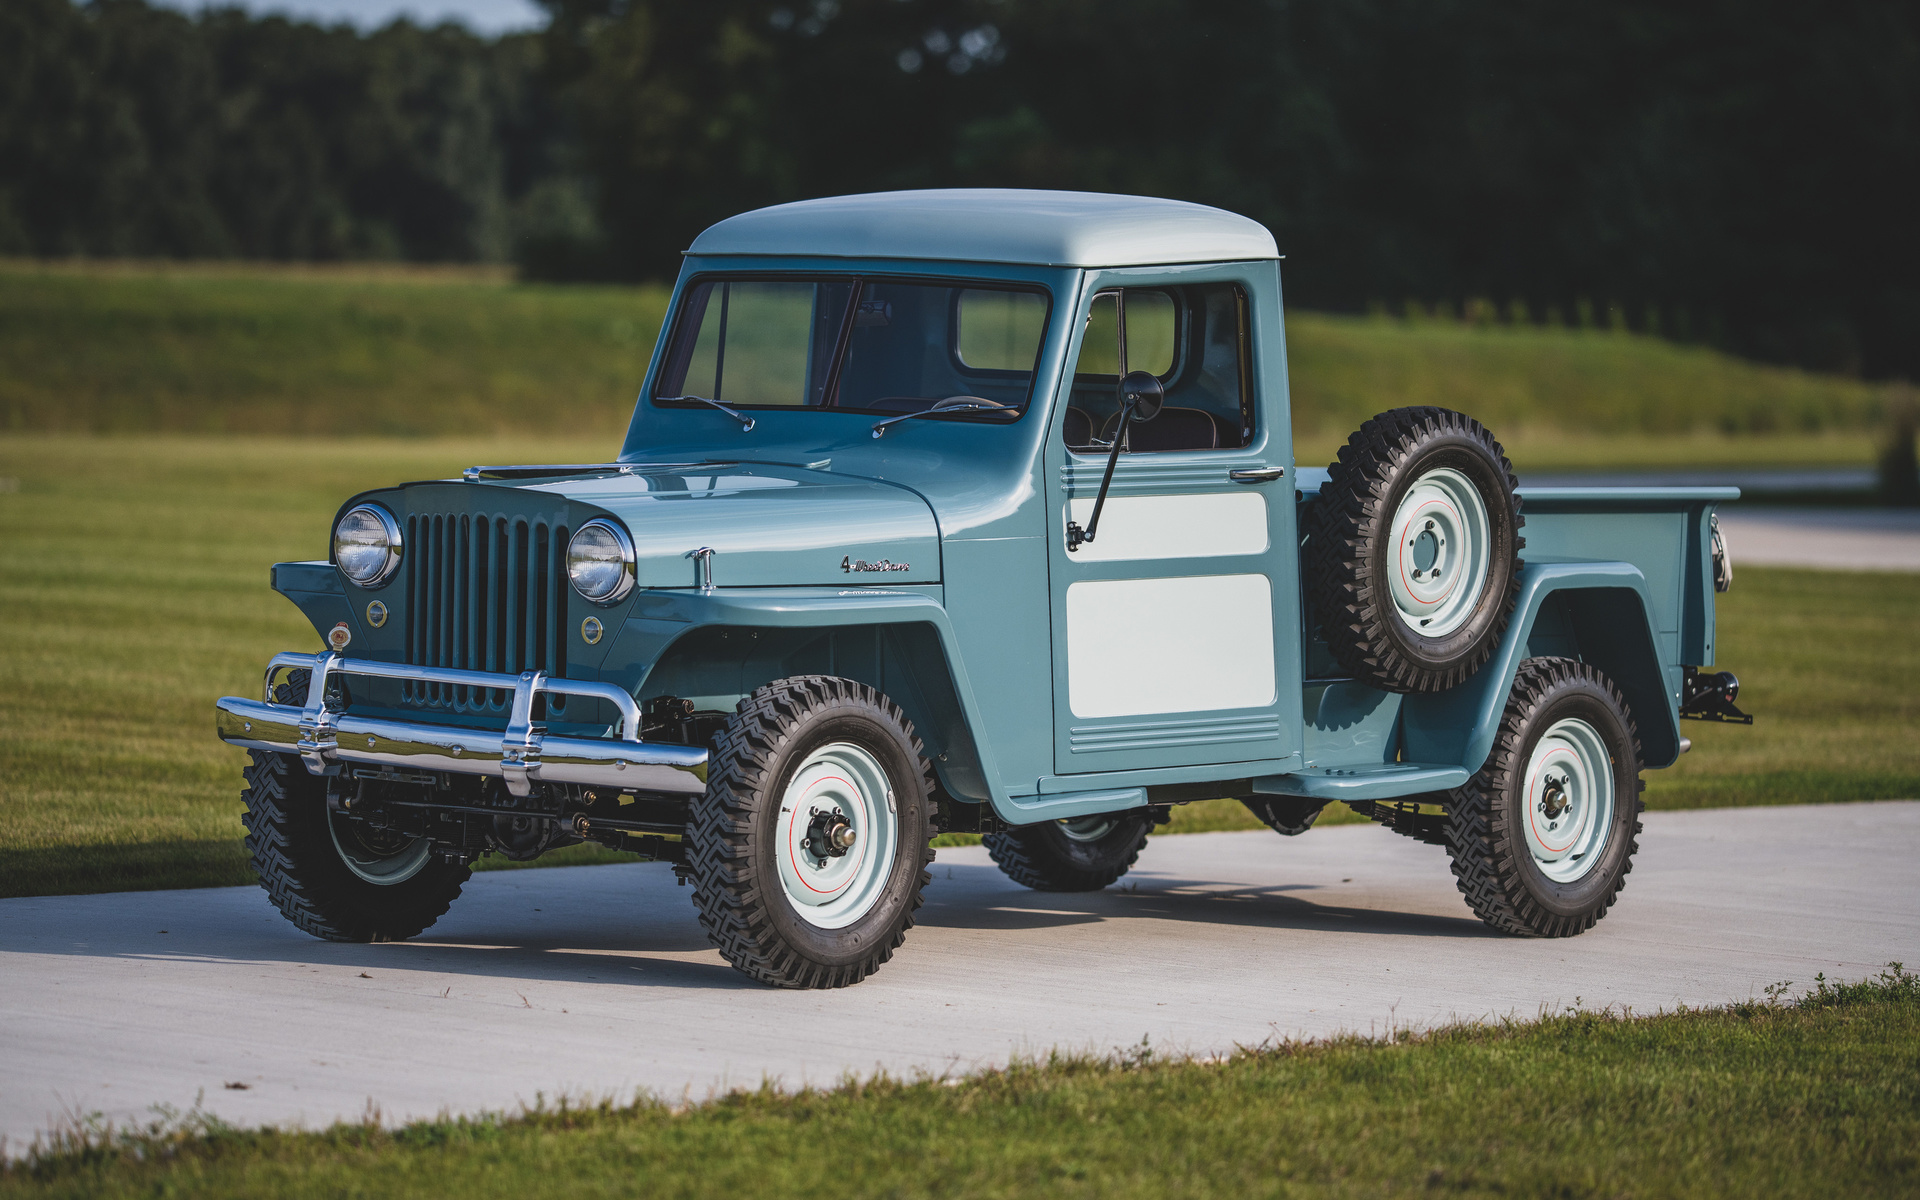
[(974, 511)]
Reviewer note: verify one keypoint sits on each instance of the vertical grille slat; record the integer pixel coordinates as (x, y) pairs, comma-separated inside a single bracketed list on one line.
[(414, 612), (558, 589), (485, 592), (462, 603), (537, 606), (517, 586), (437, 610)]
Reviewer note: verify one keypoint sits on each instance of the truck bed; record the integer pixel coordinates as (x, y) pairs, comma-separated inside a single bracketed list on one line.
[(1364, 743)]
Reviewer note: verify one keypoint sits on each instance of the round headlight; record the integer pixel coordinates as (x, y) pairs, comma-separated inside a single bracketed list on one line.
[(366, 545), (600, 562)]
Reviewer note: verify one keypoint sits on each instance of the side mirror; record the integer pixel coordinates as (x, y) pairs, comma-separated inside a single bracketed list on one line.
[(1141, 398), (1142, 395)]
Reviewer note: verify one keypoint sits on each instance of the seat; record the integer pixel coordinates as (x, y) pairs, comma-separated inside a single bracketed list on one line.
[(1173, 429)]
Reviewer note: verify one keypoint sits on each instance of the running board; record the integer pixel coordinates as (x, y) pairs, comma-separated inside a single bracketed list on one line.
[(1380, 781)]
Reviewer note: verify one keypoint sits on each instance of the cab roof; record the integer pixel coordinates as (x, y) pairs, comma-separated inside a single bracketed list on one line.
[(1002, 225)]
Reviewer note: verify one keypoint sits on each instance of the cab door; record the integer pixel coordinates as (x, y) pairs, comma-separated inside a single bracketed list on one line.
[(1177, 627)]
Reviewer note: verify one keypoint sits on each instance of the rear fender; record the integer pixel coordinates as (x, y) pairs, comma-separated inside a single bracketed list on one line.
[(1597, 611)]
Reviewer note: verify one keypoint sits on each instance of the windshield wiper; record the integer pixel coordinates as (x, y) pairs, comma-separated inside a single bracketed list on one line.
[(746, 422), (945, 406)]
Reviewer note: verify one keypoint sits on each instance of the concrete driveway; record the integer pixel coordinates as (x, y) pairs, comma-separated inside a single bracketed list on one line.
[(597, 980)]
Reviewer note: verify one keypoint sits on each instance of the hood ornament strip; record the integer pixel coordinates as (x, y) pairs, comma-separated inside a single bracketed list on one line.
[(534, 471)]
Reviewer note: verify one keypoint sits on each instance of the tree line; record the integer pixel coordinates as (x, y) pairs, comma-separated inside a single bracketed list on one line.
[(1742, 173)]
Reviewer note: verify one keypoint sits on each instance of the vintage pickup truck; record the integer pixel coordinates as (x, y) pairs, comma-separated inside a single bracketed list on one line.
[(974, 511)]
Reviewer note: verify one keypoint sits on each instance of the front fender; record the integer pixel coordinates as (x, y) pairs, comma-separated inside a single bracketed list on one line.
[(727, 642), (1605, 611)]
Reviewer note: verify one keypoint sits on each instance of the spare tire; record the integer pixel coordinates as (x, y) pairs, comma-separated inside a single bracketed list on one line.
[(1413, 550)]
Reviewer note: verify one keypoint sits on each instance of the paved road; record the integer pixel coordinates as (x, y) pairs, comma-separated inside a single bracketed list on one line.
[(1750, 480), (1839, 539), (597, 980)]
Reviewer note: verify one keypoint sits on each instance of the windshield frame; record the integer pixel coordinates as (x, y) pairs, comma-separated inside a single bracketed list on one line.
[(859, 280)]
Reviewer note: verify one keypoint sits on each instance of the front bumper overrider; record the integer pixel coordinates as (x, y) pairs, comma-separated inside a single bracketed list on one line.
[(521, 755)]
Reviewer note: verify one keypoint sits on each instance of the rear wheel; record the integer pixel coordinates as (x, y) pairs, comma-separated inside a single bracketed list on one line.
[(336, 877), (1079, 854), (1415, 550), (808, 851), (1542, 837)]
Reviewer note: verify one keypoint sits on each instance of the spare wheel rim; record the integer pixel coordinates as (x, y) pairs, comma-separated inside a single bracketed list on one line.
[(1569, 800), (1440, 553), (837, 785)]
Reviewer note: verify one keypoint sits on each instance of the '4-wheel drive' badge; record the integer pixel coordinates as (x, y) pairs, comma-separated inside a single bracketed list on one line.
[(851, 565)]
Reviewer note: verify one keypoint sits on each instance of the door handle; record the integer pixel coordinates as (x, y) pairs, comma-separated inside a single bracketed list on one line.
[(1256, 474)]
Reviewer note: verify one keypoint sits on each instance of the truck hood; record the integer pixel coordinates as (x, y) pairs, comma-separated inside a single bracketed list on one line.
[(768, 525)]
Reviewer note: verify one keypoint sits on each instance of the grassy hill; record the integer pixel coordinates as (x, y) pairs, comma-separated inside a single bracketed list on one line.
[(131, 348)]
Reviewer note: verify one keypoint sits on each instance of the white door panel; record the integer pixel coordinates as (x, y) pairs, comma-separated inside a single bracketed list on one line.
[(1191, 644), (1208, 525)]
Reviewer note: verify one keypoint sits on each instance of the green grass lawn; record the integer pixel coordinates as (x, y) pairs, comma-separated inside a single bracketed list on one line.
[(133, 576), (1816, 1097), (362, 351)]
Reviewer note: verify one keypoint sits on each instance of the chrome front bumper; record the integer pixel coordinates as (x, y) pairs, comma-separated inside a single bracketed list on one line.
[(524, 754)]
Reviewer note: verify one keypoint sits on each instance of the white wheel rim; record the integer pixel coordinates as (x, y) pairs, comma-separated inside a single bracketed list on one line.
[(1569, 800), (841, 783), (381, 870), (1087, 829), (1441, 553)]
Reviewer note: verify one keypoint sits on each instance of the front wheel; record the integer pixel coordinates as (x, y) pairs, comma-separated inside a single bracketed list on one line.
[(1542, 837), (809, 848), (332, 875)]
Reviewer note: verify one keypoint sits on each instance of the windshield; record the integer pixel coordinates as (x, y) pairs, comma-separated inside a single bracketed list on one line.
[(856, 345)]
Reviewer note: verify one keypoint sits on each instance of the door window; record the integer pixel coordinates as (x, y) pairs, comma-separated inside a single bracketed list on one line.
[(1195, 339)]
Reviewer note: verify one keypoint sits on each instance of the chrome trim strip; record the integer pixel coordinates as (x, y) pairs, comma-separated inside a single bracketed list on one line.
[(522, 755), (536, 470)]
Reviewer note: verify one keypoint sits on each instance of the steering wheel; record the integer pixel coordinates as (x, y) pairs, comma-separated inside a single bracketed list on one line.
[(965, 401)]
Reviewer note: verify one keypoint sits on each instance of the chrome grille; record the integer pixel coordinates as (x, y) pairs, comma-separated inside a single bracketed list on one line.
[(484, 593)]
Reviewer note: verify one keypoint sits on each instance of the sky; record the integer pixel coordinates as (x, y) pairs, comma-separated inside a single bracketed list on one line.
[(481, 16)]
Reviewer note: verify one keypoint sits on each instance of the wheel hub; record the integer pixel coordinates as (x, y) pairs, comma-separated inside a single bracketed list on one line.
[(1554, 801), (1569, 800), (1440, 553), (836, 834), (828, 834)]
